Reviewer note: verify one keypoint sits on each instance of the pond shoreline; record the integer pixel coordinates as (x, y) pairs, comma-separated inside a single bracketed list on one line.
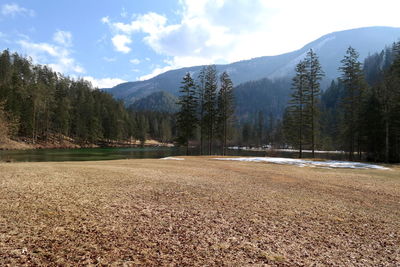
[(69, 143), (88, 154)]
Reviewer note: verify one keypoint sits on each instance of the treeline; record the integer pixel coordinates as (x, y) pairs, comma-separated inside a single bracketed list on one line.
[(214, 115), (160, 126), (38, 104), (258, 130), (359, 113), (206, 110)]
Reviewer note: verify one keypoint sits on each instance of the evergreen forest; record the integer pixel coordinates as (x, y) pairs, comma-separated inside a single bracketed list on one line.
[(358, 113)]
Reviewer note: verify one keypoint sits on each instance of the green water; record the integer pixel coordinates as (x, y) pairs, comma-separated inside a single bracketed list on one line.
[(86, 154)]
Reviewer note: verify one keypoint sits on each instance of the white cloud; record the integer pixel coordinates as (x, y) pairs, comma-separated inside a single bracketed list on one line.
[(14, 9), (2, 35), (207, 33), (63, 38), (120, 43), (109, 59), (105, 20), (58, 57), (135, 61), (211, 31), (104, 82), (124, 13), (150, 22), (155, 72)]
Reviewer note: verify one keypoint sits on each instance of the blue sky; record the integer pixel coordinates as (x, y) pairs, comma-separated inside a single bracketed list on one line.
[(109, 42)]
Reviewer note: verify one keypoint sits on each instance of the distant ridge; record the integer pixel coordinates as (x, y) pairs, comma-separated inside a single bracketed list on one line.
[(330, 49)]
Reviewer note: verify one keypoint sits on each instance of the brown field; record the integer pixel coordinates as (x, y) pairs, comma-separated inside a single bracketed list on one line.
[(197, 212)]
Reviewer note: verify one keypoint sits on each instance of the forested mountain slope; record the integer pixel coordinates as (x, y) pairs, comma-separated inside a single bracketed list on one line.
[(330, 49)]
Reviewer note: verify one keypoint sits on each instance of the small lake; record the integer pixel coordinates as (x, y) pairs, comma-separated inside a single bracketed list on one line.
[(90, 154)]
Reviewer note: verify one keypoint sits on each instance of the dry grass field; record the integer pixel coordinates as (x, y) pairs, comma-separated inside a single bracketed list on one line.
[(197, 211)]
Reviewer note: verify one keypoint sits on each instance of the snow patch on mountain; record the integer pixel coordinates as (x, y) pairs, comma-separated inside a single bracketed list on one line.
[(289, 67)]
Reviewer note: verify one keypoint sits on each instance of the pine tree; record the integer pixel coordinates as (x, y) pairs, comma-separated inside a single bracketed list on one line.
[(389, 95), (210, 99), (315, 74), (186, 117), (41, 104), (246, 134), (260, 128), (165, 132), (200, 89), (373, 126), (353, 80), (330, 116), (289, 127), (297, 104), (142, 123), (5, 74), (62, 109), (4, 125), (226, 109)]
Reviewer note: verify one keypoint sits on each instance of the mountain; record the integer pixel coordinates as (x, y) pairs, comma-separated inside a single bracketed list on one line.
[(330, 49), (273, 93), (158, 101)]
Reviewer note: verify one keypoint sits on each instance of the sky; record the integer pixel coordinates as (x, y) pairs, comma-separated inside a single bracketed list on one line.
[(110, 42)]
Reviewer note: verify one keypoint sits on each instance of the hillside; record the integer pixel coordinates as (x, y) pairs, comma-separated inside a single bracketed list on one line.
[(330, 49), (274, 95), (158, 101)]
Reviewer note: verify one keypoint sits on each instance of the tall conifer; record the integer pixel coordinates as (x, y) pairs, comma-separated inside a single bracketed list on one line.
[(200, 88), (315, 74), (210, 107), (186, 119), (297, 104), (353, 80), (225, 109)]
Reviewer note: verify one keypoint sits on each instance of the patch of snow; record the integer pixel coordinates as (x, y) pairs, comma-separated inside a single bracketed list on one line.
[(310, 163), (289, 67), (310, 151), (268, 148), (172, 158)]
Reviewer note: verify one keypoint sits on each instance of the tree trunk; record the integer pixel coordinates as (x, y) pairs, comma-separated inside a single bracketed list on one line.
[(34, 124), (312, 122), (301, 134), (201, 126), (210, 141), (387, 141), (201, 140), (224, 142)]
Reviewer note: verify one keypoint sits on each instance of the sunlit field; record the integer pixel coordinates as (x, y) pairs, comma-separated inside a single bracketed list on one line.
[(197, 211)]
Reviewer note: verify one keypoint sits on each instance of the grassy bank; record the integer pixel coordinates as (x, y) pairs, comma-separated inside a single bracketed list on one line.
[(197, 211)]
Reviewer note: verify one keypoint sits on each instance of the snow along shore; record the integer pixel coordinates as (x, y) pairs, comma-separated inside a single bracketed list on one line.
[(268, 149), (172, 158), (310, 163)]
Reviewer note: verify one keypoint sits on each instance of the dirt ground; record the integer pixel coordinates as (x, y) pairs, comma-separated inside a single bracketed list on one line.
[(197, 211)]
